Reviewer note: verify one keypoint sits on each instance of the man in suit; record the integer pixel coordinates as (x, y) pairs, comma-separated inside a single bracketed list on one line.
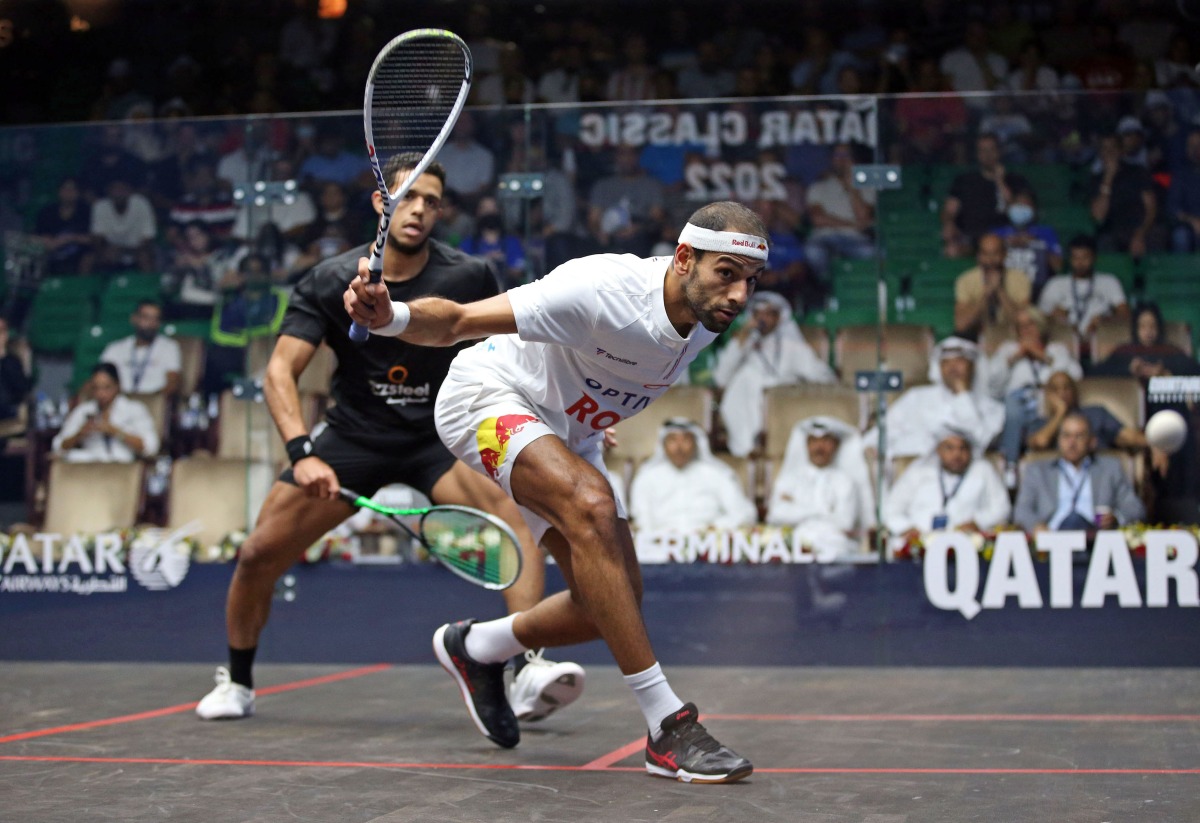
[(1076, 490)]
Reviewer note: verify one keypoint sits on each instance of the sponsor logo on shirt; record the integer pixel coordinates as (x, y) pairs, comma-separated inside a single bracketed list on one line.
[(603, 353), (396, 392)]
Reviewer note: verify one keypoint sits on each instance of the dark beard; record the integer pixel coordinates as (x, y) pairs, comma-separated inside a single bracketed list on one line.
[(708, 317), (409, 251)]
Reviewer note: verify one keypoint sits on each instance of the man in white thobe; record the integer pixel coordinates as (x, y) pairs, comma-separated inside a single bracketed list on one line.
[(823, 490), (948, 489), (684, 488), (768, 351), (957, 397)]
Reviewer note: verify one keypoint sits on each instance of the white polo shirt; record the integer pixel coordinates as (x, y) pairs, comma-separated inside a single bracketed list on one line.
[(143, 369)]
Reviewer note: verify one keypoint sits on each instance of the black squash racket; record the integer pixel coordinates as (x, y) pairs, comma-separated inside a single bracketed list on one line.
[(415, 91), (473, 544)]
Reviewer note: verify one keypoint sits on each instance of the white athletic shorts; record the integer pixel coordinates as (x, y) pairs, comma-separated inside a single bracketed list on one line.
[(487, 426)]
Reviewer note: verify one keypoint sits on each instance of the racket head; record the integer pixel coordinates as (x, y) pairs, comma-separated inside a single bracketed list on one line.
[(415, 91), (473, 544)]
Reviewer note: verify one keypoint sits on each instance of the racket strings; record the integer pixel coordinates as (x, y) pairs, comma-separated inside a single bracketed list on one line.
[(415, 88)]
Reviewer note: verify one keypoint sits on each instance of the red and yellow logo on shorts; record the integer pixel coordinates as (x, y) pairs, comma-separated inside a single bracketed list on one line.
[(493, 435)]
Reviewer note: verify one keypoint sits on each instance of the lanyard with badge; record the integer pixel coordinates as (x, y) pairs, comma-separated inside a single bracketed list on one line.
[(1074, 518), (139, 369), (1080, 306), (941, 520)]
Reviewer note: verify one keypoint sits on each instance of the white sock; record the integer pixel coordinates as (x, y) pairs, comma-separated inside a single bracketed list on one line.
[(654, 696), (493, 641)]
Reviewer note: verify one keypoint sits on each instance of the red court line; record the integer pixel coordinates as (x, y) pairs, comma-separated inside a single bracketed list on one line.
[(961, 718), (617, 755), (183, 707), (343, 764)]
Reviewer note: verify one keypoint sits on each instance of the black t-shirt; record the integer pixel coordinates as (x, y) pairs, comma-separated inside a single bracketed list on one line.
[(50, 223), (981, 208), (384, 389)]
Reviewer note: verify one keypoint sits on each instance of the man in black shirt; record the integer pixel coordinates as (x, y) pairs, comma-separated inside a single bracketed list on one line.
[(978, 200), (380, 431)]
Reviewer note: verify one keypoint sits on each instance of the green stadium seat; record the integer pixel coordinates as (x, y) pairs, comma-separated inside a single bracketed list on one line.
[(1051, 182), (1067, 221), (1118, 264), (60, 308), (125, 291), (90, 341)]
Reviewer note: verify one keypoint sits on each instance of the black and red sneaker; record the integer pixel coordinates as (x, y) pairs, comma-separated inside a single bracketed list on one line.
[(687, 752), (481, 684)]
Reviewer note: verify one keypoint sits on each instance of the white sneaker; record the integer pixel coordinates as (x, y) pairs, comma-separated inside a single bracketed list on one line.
[(542, 687), (228, 701)]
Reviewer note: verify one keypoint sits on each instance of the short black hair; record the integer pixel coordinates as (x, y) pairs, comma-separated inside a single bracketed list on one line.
[(106, 368), (146, 301), (407, 161), (1083, 241)]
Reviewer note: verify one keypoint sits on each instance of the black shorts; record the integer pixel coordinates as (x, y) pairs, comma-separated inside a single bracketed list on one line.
[(366, 468)]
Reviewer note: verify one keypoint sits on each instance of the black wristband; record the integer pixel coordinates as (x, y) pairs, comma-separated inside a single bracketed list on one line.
[(299, 448)]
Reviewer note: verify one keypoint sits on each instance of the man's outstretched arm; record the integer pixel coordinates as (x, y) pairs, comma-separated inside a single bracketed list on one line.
[(430, 321)]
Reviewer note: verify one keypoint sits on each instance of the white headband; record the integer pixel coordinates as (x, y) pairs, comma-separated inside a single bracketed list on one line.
[(732, 242)]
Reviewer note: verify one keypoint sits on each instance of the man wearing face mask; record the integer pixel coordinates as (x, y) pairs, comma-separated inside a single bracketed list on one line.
[(147, 362), (1033, 248)]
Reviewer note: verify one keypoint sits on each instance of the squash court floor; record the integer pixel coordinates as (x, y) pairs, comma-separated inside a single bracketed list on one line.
[(120, 742)]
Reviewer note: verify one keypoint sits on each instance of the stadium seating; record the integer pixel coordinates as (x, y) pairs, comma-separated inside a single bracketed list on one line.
[(210, 493), (92, 497)]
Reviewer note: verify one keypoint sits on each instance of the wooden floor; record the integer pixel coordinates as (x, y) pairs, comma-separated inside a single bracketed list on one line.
[(393, 743)]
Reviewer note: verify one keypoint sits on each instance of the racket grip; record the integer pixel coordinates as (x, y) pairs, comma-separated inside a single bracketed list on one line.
[(359, 334)]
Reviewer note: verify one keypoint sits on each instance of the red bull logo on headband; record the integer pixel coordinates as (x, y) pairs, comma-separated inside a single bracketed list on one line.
[(492, 437)]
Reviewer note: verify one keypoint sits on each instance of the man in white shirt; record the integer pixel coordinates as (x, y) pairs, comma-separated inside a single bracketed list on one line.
[(841, 215), (823, 489), (1084, 296), (956, 397), (470, 166), (124, 226), (108, 428), (950, 489), (147, 362), (768, 351), (593, 342), (683, 488), (973, 66)]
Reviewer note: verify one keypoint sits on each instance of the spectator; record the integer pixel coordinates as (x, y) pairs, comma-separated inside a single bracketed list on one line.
[(124, 228), (1061, 399), (768, 351), (1123, 203), (470, 166), (1017, 373), (1183, 200), (1012, 127), (1031, 73), (147, 362), (1178, 69), (991, 293), (817, 70), (503, 249), (333, 229), (109, 427), (1166, 139), (684, 488), (334, 163), (787, 271), (973, 67), (634, 80), (204, 200), (198, 271), (842, 215), (978, 200), (248, 306), (1107, 66), (1148, 353), (1033, 248), (626, 209), (16, 368), (709, 77), (1076, 490), (508, 86), (454, 224), (823, 489), (560, 82), (64, 228), (930, 122), (957, 397), (1082, 297), (252, 159), (120, 93), (952, 488)]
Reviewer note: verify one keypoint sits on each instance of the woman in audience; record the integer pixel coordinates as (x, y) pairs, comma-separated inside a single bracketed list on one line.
[(108, 428), (1148, 353)]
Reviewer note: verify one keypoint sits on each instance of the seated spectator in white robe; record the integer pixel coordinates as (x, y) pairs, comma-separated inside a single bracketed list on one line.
[(108, 428), (951, 488), (684, 488), (768, 351), (957, 397), (822, 489)]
